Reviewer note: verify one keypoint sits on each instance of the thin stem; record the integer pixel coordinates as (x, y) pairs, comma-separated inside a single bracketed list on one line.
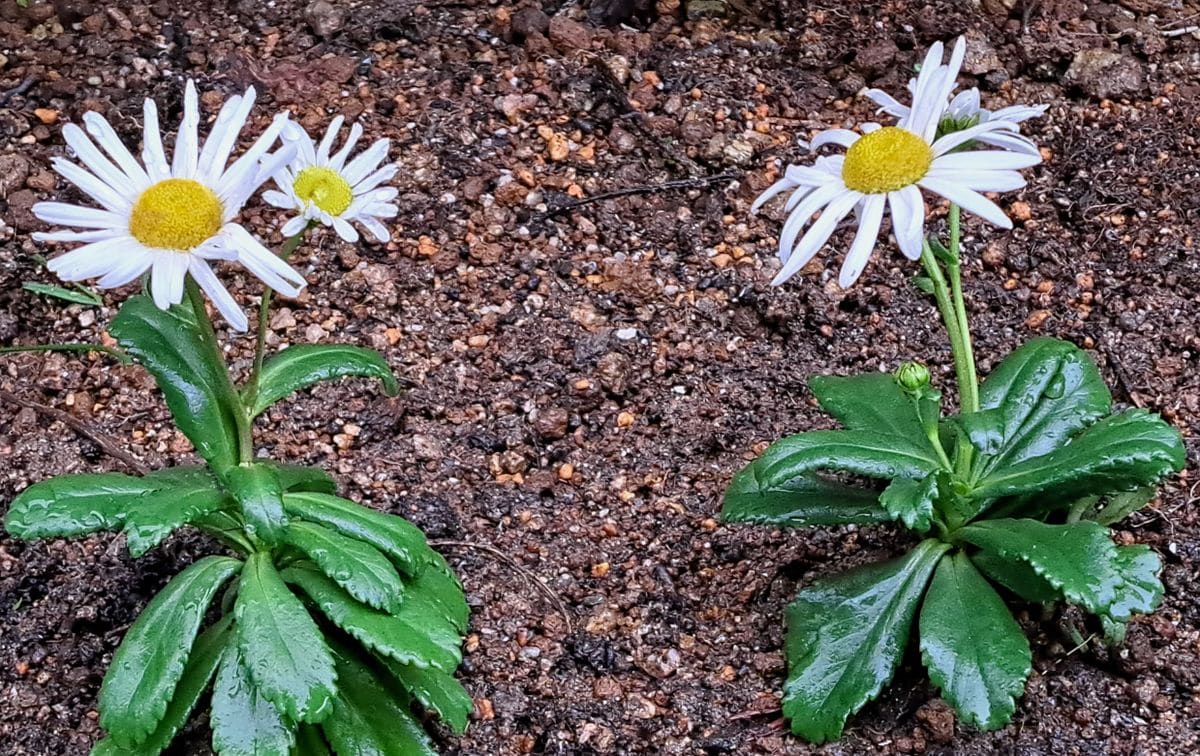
[(209, 337), (264, 311), (968, 385), (116, 354)]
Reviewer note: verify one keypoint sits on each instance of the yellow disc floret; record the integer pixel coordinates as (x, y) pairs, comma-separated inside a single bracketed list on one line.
[(325, 188), (886, 160), (178, 214)]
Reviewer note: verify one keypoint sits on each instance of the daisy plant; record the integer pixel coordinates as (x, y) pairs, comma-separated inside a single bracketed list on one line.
[(1009, 499), (324, 624)]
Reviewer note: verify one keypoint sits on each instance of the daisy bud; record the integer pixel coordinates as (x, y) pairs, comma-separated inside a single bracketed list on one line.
[(912, 376)]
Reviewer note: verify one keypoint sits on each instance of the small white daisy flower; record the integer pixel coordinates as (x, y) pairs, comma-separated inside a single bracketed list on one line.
[(170, 219), (327, 189), (885, 168)]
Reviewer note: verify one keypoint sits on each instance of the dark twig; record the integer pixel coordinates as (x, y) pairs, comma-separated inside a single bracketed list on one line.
[(529, 577), (667, 186), (109, 446), (25, 85)]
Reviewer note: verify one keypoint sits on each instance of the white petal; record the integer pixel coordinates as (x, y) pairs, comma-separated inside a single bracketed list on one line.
[(985, 160), (908, 220), (1009, 141), (818, 234), (927, 79), (95, 161), (91, 186), (844, 137), (152, 148), (327, 141), (965, 104), (968, 200), (77, 236), (167, 276), (220, 296), (375, 179), (104, 134), (88, 261), (864, 241), (1019, 113), (306, 150), (241, 179), (62, 214), (260, 261), (345, 230), (278, 199), (958, 138), (366, 162), (887, 103), (223, 136), (294, 226), (338, 160), (135, 260), (378, 209), (375, 228), (803, 213), (869, 127), (805, 176), (774, 190), (186, 155), (980, 181), (947, 82)]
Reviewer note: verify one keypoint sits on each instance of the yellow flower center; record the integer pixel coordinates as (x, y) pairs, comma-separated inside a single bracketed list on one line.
[(178, 214), (325, 188), (886, 160)]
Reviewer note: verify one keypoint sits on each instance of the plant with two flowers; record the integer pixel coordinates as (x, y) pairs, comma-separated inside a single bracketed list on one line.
[(327, 621), (1015, 491)]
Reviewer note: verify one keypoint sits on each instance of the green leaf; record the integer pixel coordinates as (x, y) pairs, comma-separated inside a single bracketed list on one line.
[(846, 635), (413, 636), (150, 660), (201, 665), (1140, 592), (361, 569), (438, 587), (369, 719), (1043, 393), (1017, 576), (74, 296), (870, 402), (808, 499), (437, 691), (310, 742), (1119, 453), (198, 392), (301, 478), (258, 491), (243, 722), (189, 494), (1119, 506), (974, 650), (911, 501), (1078, 558), (306, 364), (402, 541), (281, 645)]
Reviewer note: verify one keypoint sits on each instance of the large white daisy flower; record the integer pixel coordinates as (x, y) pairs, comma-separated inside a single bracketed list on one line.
[(170, 219), (327, 189), (885, 168)]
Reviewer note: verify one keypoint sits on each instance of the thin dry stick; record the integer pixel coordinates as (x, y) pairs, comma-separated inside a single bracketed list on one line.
[(529, 576), (106, 444), (698, 182)]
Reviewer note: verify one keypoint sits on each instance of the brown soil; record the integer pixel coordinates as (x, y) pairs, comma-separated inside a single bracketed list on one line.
[(581, 387)]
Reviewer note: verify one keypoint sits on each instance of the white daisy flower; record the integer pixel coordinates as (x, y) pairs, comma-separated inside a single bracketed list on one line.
[(328, 190), (885, 168), (170, 219)]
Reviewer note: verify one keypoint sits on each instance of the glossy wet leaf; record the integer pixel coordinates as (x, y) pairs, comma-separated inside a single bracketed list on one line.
[(1042, 394), (436, 690), (439, 588), (305, 364), (201, 665), (361, 569), (808, 499), (310, 742), (148, 664), (402, 541), (192, 494), (74, 296), (415, 635), (369, 719), (870, 402), (974, 650), (1119, 453), (846, 635), (260, 496), (1117, 507), (911, 501), (1079, 559), (197, 390), (243, 722), (1140, 592), (281, 645), (72, 505), (1017, 576), (301, 478)]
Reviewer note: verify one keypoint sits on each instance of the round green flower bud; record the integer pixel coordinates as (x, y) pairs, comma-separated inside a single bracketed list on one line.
[(912, 376)]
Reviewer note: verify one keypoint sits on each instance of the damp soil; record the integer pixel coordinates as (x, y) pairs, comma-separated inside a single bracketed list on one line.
[(582, 380)]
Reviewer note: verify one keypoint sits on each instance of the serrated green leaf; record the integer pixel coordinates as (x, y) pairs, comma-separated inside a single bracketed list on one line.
[(192, 494), (846, 635), (150, 660), (870, 402), (1017, 576), (809, 499), (1078, 558), (1043, 393), (414, 635), (436, 690), (260, 496), (369, 719), (74, 296), (305, 364), (974, 650), (197, 390), (301, 478), (924, 284), (1140, 592), (361, 569), (438, 586), (911, 501), (402, 541), (202, 663), (1119, 453), (243, 722), (1120, 505), (281, 645)]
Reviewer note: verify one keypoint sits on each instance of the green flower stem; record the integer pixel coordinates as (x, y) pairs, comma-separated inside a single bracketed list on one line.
[(116, 354), (968, 387), (264, 311), (209, 337)]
